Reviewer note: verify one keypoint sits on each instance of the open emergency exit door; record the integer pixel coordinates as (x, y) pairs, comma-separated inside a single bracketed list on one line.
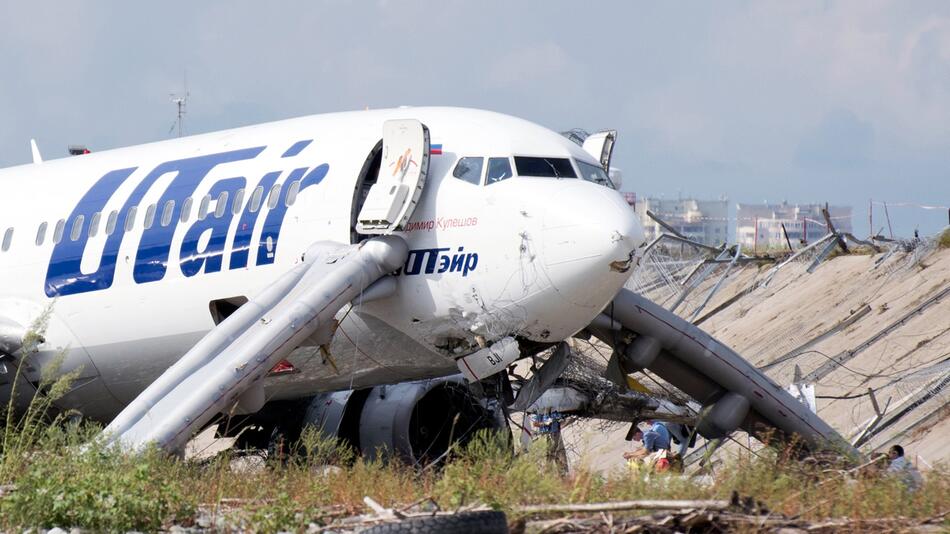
[(402, 175), (601, 146)]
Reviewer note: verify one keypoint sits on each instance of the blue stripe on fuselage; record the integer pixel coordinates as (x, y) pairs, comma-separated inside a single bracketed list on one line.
[(63, 276), (245, 230), (192, 259), (152, 257), (275, 218)]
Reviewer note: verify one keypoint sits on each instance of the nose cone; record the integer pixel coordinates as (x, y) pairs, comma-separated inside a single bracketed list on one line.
[(590, 235)]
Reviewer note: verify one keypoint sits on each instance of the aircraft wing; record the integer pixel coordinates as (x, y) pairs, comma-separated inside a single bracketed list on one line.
[(227, 366), (733, 392)]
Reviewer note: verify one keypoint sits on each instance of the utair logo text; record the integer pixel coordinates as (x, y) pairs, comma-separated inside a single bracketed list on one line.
[(440, 260), (65, 277)]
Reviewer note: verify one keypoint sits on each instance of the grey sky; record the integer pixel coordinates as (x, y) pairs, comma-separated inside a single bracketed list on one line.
[(805, 101)]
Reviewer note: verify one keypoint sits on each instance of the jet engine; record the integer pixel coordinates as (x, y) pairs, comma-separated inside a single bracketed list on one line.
[(416, 422)]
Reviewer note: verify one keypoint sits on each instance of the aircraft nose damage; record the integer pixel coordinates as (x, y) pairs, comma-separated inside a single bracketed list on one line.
[(589, 241)]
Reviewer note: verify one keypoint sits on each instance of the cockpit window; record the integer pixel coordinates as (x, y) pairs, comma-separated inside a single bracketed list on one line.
[(469, 169), (594, 173), (498, 169), (544, 167)]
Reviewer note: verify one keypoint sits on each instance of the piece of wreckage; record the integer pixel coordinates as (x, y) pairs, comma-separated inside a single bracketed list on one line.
[(223, 373)]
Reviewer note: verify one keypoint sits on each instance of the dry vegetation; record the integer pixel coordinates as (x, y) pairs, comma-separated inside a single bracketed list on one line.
[(944, 240), (53, 474), (59, 483)]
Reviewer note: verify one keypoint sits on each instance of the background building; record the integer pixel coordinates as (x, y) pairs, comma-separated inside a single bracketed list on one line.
[(706, 221), (759, 226)]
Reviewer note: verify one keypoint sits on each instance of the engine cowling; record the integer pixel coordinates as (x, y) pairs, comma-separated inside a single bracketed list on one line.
[(414, 421)]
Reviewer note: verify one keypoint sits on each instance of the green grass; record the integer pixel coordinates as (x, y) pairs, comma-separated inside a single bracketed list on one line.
[(61, 484), (99, 490)]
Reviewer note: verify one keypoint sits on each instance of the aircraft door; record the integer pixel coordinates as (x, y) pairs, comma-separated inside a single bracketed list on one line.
[(601, 146), (402, 175)]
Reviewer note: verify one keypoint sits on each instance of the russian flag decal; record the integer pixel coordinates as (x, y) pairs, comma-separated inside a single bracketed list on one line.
[(435, 149)]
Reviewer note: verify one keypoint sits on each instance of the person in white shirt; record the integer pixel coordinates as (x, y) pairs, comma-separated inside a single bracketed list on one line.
[(902, 468)]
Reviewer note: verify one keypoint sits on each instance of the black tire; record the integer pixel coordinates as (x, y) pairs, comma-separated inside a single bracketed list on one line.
[(486, 522)]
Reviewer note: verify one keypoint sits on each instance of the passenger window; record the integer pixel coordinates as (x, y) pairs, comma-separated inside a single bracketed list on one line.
[(58, 231), (168, 212), (111, 221), (292, 193), (273, 197), (7, 239), (256, 198), (76, 230), (94, 224), (238, 201), (130, 218), (186, 210), (498, 169), (41, 234), (469, 169), (203, 207), (221, 205), (149, 216)]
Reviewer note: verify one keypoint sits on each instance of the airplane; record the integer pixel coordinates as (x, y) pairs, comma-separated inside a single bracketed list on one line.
[(233, 271)]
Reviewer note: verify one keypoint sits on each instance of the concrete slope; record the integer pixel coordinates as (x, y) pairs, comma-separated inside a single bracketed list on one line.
[(900, 354)]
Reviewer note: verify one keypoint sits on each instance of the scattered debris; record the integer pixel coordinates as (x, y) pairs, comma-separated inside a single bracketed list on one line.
[(545, 509), (737, 513), (698, 520), (423, 515)]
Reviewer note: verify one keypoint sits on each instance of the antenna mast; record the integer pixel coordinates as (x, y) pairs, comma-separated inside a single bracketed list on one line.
[(181, 102)]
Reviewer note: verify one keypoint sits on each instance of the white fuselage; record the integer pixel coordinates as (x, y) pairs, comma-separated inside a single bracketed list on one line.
[(536, 258)]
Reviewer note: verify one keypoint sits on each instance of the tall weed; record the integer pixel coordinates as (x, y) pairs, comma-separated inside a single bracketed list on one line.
[(944, 240), (31, 429)]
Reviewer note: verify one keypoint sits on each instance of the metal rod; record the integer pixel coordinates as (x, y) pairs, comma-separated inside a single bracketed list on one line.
[(831, 228), (696, 281), (793, 257), (822, 255), (716, 287), (665, 225), (787, 240), (888, 216)]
